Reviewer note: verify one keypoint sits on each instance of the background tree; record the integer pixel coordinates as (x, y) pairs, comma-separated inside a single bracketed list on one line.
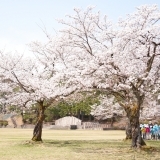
[(108, 109), (74, 107)]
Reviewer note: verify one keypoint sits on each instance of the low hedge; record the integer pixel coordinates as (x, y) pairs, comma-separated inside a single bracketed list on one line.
[(3, 123)]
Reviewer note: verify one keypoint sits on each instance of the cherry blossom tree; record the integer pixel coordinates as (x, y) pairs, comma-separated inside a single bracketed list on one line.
[(28, 81), (123, 61)]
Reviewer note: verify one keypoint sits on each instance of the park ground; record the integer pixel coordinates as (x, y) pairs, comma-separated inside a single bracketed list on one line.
[(15, 144)]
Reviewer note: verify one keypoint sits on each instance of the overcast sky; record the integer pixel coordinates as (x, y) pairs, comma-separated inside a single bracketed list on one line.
[(22, 20)]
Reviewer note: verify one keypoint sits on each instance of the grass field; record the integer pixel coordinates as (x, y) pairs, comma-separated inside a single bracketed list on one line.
[(15, 144)]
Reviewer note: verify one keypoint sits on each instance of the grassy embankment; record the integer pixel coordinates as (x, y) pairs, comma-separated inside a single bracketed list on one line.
[(72, 145)]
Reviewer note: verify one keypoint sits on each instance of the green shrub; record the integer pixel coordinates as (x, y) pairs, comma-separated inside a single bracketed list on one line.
[(1, 123), (29, 118), (5, 123)]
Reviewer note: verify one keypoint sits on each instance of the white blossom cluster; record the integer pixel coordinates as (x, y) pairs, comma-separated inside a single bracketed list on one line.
[(108, 108)]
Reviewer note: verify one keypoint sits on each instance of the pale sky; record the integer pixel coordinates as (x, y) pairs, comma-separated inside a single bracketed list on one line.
[(22, 20)]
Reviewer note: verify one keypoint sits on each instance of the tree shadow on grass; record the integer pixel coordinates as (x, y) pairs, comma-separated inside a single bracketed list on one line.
[(101, 147)]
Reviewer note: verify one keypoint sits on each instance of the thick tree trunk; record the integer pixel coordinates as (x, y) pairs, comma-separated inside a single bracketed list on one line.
[(133, 127), (128, 131), (129, 135), (37, 132), (135, 132), (137, 140)]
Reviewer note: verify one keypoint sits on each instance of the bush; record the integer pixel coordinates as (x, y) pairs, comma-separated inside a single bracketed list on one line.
[(29, 118), (5, 123), (1, 123)]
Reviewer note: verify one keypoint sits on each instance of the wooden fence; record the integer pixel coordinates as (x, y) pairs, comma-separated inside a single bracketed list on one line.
[(94, 126)]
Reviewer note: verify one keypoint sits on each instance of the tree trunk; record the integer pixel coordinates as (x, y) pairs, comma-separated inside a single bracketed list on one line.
[(129, 135), (135, 131), (133, 127), (128, 131), (37, 132), (78, 114), (112, 121)]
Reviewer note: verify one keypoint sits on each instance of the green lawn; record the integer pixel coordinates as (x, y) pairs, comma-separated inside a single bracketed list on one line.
[(15, 144)]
